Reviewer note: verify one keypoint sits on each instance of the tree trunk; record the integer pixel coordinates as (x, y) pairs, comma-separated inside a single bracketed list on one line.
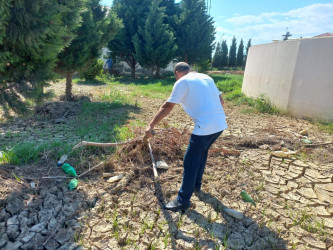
[(186, 58), (39, 97), (157, 74), (68, 96)]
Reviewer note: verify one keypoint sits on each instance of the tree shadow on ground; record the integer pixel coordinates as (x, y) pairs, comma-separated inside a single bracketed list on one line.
[(94, 82), (236, 234), (144, 80), (42, 213)]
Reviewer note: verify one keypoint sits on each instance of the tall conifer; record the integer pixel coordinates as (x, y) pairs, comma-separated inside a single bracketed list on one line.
[(224, 50), (133, 14), (232, 53), (35, 32), (195, 32), (154, 44), (240, 54), (98, 27)]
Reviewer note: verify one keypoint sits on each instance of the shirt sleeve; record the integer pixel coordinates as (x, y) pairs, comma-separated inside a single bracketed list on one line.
[(178, 92)]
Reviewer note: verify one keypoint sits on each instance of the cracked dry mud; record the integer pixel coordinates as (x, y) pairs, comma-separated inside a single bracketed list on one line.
[(294, 196)]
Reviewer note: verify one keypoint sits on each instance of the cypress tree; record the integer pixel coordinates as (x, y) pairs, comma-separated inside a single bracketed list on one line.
[(232, 53), (217, 58), (133, 14), (194, 31), (247, 50), (224, 51), (240, 54), (35, 32), (154, 44), (98, 27)]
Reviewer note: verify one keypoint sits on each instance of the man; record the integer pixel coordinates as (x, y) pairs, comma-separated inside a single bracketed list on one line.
[(109, 64), (201, 100)]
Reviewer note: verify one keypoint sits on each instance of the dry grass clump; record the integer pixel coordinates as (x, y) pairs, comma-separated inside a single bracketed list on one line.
[(168, 145)]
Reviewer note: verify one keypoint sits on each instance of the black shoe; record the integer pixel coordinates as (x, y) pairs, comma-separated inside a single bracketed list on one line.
[(174, 206)]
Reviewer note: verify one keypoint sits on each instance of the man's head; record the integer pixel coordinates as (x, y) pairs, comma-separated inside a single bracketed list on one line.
[(181, 69)]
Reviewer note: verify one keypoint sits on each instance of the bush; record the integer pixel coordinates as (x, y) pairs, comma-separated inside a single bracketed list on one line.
[(263, 105), (202, 66), (92, 70)]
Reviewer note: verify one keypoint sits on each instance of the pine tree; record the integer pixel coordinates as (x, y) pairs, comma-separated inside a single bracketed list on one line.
[(36, 31), (240, 54), (224, 51), (133, 14), (98, 27), (247, 50), (154, 44), (195, 32), (232, 53)]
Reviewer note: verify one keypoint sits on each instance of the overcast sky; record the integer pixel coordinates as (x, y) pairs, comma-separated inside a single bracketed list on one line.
[(267, 20)]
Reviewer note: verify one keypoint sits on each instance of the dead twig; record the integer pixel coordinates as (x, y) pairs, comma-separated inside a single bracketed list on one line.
[(317, 144), (98, 165)]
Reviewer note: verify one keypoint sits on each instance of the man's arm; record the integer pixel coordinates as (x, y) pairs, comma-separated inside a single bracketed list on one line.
[(221, 100), (163, 112)]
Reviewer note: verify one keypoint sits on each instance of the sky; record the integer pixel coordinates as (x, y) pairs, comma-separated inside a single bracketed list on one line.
[(266, 20)]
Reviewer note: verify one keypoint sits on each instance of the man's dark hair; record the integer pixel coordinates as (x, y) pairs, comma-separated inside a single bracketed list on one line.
[(182, 67)]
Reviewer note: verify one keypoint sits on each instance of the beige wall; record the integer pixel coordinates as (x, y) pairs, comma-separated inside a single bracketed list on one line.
[(296, 75)]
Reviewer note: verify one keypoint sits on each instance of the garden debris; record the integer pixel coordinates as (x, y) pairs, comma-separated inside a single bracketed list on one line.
[(62, 160), (33, 185), (162, 165), (68, 169), (72, 184), (247, 198), (233, 213), (116, 178), (304, 133)]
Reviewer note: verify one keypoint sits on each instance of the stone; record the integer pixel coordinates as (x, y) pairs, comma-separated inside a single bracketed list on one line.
[(37, 228), (4, 215), (13, 245), (50, 201), (28, 237), (51, 244), (14, 206), (3, 243), (13, 221), (63, 236), (247, 222), (236, 241), (264, 231), (52, 224), (328, 222), (68, 246), (12, 232)]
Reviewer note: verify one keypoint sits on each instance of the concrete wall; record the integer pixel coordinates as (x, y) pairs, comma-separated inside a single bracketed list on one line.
[(296, 75)]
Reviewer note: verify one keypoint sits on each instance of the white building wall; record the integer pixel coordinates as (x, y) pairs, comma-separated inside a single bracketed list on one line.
[(296, 75)]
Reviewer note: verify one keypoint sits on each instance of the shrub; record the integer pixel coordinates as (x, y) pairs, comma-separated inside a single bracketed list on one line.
[(202, 66), (263, 105), (92, 70)]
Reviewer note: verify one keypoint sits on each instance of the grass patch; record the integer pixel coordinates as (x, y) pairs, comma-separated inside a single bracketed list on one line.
[(231, 87), (30, 152), (326, 126)]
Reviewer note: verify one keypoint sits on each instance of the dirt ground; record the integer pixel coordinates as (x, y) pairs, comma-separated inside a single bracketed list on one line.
[(294, 197)]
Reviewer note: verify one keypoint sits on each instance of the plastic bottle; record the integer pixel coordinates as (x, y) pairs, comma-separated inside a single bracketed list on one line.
[(72, 184), (62, 160), (69, 170), (246, 197)]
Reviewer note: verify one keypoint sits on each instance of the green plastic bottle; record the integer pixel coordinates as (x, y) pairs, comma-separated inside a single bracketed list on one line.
[(69, 170), (247, 198), (72, 184)]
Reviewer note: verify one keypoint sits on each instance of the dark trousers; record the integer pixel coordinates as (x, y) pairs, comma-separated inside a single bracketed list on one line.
[(194, 165)]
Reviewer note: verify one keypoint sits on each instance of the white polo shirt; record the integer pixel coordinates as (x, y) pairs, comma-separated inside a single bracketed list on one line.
[(199, 97)]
